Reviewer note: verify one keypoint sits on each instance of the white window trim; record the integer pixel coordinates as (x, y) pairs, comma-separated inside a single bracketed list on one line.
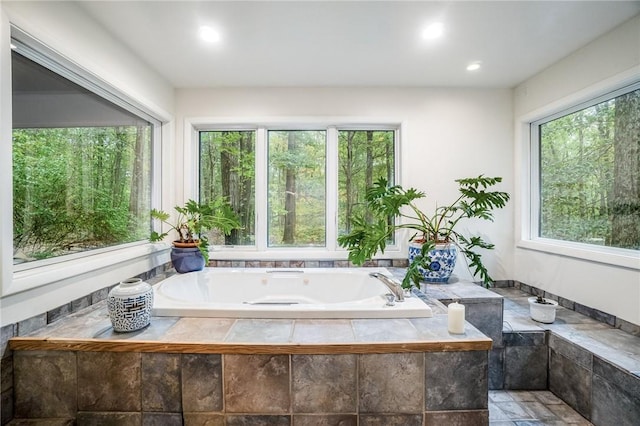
[(527, 158), (193, 125), (28, 276)]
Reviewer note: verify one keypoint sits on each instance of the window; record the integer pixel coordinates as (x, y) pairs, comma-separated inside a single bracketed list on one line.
[(227, 168), (294, 186), (81, 165), (589, 172)]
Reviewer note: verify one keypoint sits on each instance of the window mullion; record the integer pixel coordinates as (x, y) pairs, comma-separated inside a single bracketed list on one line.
[(331, 190), (261, 185)]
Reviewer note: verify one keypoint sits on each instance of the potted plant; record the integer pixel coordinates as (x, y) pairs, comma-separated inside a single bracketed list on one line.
[(542, 310), (435, 240), (190, 250)]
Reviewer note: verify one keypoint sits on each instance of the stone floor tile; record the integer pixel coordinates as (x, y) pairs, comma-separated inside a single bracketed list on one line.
[(547, 398), (514, 410), (522, 395), (539, 411), (566, 413), (499, 396), (496, 414)]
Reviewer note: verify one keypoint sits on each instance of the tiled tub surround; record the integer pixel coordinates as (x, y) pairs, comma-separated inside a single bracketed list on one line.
[(253, 371), (589, 364)]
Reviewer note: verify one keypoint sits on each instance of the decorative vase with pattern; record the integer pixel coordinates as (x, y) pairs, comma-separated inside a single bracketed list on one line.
[(443, 262), (129, 304)]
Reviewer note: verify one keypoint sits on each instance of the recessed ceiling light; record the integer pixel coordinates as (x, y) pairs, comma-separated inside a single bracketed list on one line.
[(433, 31), (474, 66), (208, 34)]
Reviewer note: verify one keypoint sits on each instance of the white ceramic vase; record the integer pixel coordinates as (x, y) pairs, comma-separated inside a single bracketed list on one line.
[(543, 312), (130, 304)]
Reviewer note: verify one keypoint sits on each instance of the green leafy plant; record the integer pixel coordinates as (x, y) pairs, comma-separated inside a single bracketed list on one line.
[(194, 220), (393, 208)]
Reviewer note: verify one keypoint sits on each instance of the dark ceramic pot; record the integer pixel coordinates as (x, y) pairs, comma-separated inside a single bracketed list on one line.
[(187, 259)]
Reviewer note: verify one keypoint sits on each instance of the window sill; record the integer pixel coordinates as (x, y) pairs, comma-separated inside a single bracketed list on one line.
[(28, 278), (606, 255), (289, 253)]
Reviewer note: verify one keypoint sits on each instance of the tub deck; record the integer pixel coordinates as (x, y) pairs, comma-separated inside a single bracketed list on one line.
[(90, 330)]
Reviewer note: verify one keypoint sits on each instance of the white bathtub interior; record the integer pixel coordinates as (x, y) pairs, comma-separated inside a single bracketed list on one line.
[(282, 293)]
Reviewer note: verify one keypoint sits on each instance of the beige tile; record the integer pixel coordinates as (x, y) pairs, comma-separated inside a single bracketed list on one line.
[(199, 330), (385, 330), (323, 331), (260, 331)]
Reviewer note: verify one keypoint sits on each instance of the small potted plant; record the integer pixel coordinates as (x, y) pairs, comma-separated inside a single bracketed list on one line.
[(190, 250), (435, 241), (542, 309)]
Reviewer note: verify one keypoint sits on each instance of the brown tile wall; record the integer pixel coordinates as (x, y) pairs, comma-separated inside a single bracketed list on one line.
[(198, 389)]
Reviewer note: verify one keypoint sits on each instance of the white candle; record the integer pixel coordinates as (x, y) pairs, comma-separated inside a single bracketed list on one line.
[(456, 318)]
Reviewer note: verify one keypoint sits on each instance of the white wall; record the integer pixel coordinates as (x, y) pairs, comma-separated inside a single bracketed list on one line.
[(450, 134), (65, 28), (611, 60)]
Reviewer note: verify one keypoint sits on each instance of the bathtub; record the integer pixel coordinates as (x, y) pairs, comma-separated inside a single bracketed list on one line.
[(281, 293)]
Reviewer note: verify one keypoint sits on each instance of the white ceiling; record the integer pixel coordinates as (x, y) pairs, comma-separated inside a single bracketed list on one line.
[(355, 43)]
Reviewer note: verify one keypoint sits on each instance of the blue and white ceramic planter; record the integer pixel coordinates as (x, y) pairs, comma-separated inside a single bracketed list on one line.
[(443, 261), (187, 259), (129, 304)]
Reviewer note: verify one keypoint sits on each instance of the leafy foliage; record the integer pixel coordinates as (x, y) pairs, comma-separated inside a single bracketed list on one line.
[(367, 237), (589, 169), (77, 189), (195, 219)]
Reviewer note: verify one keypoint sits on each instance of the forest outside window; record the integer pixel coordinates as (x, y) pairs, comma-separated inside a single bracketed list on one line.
[(314, 180), (589, 172), (81, 167)]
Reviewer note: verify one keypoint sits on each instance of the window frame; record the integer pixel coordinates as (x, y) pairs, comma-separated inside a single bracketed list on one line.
[(529, 235), (261, 250), (30, 275)]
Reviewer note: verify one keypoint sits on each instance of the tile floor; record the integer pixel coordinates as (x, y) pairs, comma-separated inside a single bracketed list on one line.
[(520, 408)]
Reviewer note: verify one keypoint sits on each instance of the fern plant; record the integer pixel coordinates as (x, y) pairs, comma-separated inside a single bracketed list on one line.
[(393, 208)]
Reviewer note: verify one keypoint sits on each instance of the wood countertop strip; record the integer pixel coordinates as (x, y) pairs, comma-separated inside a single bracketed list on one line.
[(101, 345)]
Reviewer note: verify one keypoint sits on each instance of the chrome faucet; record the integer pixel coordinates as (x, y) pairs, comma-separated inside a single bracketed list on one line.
[(392, 284)]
